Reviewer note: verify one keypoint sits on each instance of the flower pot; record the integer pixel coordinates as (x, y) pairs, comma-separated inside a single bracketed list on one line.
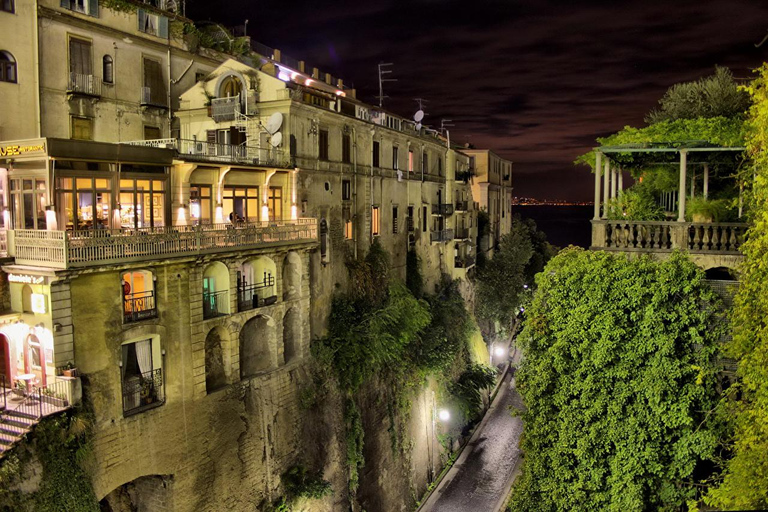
[(69, 373)]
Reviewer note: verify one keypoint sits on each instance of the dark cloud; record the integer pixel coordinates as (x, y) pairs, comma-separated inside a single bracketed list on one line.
[(535, 80)]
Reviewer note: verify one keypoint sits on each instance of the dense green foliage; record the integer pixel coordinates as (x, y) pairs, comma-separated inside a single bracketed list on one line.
[(467, 390), (413, 278), (619, 380), (745, 483), (301, 483), (717, 95), (521, 254)]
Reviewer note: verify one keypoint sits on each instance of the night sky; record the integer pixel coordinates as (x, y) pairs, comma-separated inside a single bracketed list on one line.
[(536, 81)]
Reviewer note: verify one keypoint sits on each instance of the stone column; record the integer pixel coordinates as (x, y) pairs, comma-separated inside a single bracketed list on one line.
[(681, 188), (614, 174), (706, 181), (621, 180), (598, 168), (606, 185)]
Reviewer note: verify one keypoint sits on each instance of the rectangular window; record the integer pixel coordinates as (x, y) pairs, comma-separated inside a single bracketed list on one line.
[(241, 204), (141, 377), (410, 160), (86, 202), (424, 162), (409, 219), (424, 219), (375, 221), (346, 190), (200, 204), (376, 154), (89, 7), (394, 220), (82, 128), (395, 165), (153, 24), (322, 145), (275, 203), (440, 166), (28, 201), (80, 60), (142, 203), (199, 77), (152, 133), (153, 92), (347, 217), (7, 6), (346, 148)]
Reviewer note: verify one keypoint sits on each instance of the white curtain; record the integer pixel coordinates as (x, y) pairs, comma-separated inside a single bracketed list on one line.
[(144, 355)]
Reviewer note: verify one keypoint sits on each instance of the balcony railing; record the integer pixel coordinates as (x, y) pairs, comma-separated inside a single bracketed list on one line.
[(409, 224), (196, 150), (461, 234), (84, 84), (445, 235), (252, 296), (142, 392), (463, 176), (154, 97), (139, 306), (713, 238), (464, 261), (461, 206), (215, 303), (225, 109), (442, 209), (65, 249), (3, 243)]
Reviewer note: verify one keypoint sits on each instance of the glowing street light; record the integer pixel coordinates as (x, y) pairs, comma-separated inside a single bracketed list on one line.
[(499, 351), (444, 415)]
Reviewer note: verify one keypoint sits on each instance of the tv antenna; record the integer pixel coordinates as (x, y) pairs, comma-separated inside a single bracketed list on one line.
[(445, 124), (418, 117), (383, 70)]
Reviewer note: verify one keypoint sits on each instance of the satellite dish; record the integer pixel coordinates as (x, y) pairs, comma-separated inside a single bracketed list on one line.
[(418, 126), (418, 116), (274, 123), (276, 139)]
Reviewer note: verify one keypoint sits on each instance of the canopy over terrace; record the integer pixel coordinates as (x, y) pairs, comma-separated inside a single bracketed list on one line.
[(637, 155)]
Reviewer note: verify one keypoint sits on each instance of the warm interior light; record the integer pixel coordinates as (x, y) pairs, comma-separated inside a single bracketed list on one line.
[(265, 213), (50, 220), (181, 216), (294, 212), (219, 214)]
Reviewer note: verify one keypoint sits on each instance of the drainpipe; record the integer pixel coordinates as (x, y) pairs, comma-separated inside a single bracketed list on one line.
[(38, 103), (354, 175)]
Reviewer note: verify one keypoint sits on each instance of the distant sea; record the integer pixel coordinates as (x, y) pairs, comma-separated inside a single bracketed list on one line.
[(564, 225)]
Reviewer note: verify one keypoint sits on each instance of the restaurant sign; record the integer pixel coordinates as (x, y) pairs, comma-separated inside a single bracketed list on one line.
[(18, 150), (26, 279)]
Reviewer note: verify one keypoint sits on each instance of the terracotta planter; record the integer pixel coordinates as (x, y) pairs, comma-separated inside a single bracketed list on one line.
[(69, 373)]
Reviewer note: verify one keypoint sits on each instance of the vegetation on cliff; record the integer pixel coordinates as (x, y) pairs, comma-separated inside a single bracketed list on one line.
[(620, 383)]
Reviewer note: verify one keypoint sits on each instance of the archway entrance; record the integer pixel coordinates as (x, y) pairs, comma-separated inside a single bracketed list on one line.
[(153, 493), (5, 359), (257, 346)]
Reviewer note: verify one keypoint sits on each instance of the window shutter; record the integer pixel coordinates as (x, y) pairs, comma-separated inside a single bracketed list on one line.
[(142, 16), (210, 136), (162, 29), (93, 8), (65, 4)]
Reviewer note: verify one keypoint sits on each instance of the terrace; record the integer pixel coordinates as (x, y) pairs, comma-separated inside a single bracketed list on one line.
[(201, 151), (72, 249), (653, 216)]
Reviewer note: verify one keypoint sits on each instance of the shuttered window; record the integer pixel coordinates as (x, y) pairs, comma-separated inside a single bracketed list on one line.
[(80, 60), (89, 7), (153, 82), (153, 24)]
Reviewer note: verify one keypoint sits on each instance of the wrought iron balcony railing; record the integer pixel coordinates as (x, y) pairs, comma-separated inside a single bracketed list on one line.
[(461, 206), (466, 261), (143, 392), (442, 209), (139, 306), (215, 303), (196, 150), (225, 109), (154, 97), (252, 296), (84, 84), (445, 235)]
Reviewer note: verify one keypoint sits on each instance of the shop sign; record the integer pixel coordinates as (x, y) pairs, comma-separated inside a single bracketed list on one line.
[(39, 303), (26, 279), (17, 150)]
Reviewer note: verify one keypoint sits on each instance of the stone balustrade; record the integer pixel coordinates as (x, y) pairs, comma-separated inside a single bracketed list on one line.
[(68, 249), (665, 236)]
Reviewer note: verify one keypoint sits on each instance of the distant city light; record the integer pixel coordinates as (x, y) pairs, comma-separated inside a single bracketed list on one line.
[(444, 415)]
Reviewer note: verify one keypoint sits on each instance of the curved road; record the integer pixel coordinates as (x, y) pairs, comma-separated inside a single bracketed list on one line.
[(483, 475)]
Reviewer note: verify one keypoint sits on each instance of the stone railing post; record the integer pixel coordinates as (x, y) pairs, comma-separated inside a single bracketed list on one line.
[(599, 233), (679, 235)]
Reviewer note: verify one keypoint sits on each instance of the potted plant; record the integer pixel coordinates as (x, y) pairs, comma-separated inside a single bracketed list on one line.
[(20, 388), (69, 370), (147, 392), (703, 210)]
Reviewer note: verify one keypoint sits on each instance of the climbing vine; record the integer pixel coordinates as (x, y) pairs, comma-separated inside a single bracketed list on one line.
[(620, 382)]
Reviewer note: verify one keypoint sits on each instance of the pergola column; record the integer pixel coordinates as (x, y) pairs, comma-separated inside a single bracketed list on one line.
[(621, 180), (706, 180), (613, 181), (681, 188), (598, 168), (693, 182), (606, 185)]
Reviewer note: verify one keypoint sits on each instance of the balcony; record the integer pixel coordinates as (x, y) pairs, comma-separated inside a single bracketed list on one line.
[(139, 306), (153, 97), (461, 234), (143, 392), (408, 225), (463, 176), (441, 236), (225, 109), (461, 206), (442, 209), (87, 85), (200, 151), (78, 249), (466, 262), (252, 296), (698, 239), (215, 303)]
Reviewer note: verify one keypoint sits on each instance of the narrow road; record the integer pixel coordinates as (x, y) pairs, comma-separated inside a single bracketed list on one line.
[(482, 477)]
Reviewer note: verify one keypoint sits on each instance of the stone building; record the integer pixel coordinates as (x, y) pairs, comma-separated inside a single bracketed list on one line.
[(175, 224)]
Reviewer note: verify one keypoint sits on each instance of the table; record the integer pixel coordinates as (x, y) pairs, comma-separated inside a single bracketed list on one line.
[(27, 379)]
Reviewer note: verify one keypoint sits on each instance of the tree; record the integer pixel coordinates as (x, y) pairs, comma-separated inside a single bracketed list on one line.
[(745, 482), (618, 378), (521, 254), (717, 95)]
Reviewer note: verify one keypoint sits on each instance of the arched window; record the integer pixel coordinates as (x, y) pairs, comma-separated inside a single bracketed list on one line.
[(26, 299), (7, 67), (108, 69), (230, 87), (138, 296)]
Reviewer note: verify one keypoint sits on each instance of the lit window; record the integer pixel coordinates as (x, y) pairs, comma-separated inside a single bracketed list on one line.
[(138, 296), (410, 161), (348, 229), (375, 221), (141, 376)]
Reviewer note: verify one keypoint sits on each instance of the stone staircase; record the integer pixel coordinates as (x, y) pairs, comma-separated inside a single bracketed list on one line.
[(14, 424)]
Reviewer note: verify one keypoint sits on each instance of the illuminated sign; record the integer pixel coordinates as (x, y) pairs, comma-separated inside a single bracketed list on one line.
[(21, 150), (26, 279), (39, 302)]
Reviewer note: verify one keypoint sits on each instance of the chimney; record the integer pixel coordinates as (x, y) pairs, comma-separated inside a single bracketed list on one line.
[(276, 55), (301, 66), (328, 79), (316, 73), (340, 83)]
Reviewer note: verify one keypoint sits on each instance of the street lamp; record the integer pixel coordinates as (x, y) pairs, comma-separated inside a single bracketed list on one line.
[(444, 415)]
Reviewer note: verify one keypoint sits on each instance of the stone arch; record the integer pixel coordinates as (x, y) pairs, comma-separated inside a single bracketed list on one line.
[(292, 276), (143, 494), (256, 283), (231, 83), (292, 339), (26, 299), (216, 359), (258, 346), (215, 290), (721, 274)]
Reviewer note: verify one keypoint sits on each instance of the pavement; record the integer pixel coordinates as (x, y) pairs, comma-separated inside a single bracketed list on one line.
[(482, 477)]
